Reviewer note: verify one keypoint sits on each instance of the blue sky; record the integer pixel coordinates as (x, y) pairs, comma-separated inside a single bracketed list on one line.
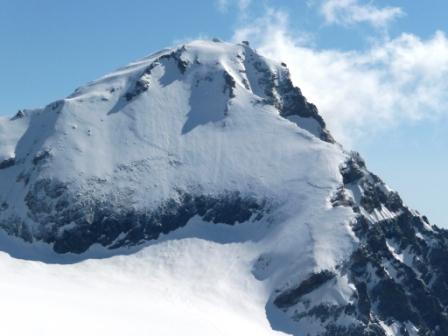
[(375, 69)]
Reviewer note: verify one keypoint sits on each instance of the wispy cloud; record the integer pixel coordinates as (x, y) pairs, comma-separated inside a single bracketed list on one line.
[(223, 5), (349, 12), (360, 92)]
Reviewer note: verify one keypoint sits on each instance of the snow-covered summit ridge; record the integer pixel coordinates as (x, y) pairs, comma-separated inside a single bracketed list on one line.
[(245, 72)]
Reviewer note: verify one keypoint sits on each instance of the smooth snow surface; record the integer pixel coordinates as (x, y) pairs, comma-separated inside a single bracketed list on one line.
[(178, 287)]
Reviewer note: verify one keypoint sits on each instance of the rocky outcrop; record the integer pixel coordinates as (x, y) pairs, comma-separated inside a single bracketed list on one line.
[(73, 222), (292, 296), (143, 82), (279, 91), (7, 163), (397, 274)]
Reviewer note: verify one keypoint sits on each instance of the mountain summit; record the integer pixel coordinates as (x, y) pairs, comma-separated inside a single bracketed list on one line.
[(211, 143)]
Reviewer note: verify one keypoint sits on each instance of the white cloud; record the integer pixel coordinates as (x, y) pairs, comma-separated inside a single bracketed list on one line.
[(223, 5), (360, 93), (348, 12)]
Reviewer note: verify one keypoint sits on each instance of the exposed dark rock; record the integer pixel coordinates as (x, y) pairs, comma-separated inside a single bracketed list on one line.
[(372, 197), (324, 312), (363, 302), (74, 223), (105, 225), (182, 65), (7, 163), (294, 103), (392, 302), (4, 206), (387, 288), (19, 115), (14, 226), (292, 296), (23, 177), (41, 156), (56, 105), (341, 198), (280, 92), (326, 136), (141, 85), (230, 84), (374, 193), (370, 330), (399, 270), (408, 296), (394, 202), (352, 170)]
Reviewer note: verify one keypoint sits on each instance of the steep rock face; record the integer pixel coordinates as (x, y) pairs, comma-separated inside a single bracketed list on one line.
[(396, 277), (214, 133), (114, 225)]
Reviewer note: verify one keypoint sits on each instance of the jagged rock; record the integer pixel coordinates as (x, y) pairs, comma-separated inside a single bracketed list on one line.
[(353, 168), (41, 156), (51, 201), (19, 115), (141, 85), (7, 163), (292, 296), (230, 85)]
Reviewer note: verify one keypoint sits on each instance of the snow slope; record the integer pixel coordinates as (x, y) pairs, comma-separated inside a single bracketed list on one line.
[(197, 191), (174, 288)]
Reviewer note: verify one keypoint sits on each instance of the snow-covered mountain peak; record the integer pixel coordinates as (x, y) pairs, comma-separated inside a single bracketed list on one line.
[(210, 141), (179, 122)]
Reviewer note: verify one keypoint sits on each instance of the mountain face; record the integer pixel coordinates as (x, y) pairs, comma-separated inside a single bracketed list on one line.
[(212, 141)]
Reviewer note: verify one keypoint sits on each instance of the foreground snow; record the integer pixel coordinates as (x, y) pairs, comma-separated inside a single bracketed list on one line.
[(177, 287)]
